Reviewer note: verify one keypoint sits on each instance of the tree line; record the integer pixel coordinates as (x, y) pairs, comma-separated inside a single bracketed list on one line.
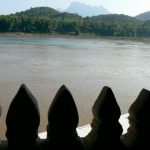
[(103, 25)]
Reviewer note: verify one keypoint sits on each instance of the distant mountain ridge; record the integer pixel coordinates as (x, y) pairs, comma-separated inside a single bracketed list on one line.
[(144, 16), (86, 10), (51, 13)]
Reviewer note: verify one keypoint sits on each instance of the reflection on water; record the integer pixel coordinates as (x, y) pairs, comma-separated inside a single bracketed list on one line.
[(83, 65)]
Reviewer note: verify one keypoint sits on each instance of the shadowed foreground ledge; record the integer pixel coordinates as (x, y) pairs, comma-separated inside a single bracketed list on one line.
[(107, 129), (83, 131)]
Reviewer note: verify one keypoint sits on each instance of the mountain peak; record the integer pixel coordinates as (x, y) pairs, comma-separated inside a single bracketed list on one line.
[(86, 10)]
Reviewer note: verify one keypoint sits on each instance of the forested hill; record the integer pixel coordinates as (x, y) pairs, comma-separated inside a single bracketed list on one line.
[(144, 16), (39, 12), (51, 21), (51, 13), (114, 18), (47, 12)]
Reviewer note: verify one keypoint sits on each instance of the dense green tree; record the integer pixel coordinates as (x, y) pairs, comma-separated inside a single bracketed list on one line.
[(4, 24)]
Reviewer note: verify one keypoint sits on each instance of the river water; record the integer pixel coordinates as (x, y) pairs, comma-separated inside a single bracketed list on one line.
[(83, 65)]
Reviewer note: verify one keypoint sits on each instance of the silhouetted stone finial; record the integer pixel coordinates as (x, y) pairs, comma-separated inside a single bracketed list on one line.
[(137, 137), (106, 130), (62, 122), (22, 120)]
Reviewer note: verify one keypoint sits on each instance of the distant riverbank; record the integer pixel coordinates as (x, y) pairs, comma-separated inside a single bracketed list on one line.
[(80, 36), (47, 20)]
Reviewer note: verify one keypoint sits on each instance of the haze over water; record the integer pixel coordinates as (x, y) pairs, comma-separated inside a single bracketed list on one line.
[(83, 65)]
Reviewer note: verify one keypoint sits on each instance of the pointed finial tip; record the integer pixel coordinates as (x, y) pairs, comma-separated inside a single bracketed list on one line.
[(144, 90), (23, 85), (63, 87), (106, 87)]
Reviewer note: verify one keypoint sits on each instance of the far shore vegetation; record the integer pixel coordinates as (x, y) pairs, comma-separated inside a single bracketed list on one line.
[(44, 20)]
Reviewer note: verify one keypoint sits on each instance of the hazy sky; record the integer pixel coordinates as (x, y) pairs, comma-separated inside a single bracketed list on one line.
[(129, 7)]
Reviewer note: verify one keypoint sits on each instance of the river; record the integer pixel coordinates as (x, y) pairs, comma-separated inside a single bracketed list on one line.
[(83, 65)]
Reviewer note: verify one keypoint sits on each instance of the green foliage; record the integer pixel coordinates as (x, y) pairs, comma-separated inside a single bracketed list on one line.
[(4, 24), (144, 16), (48, 20), (113, 18), (39, 12)]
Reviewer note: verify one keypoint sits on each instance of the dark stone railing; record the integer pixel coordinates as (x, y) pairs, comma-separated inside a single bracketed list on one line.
[(23, 120)]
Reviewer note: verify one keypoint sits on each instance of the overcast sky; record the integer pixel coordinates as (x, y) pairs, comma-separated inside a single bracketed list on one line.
[(128, 7)]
